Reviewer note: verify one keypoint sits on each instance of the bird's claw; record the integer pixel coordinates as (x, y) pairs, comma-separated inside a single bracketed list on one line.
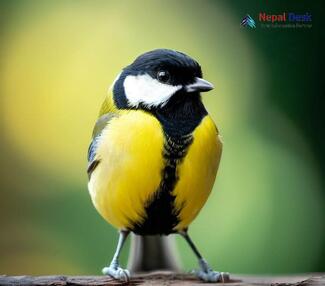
[(117, 272), (211, 276), (207, 274)]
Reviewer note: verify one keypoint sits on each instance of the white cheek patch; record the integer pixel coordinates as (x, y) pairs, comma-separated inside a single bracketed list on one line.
[(147, 90)]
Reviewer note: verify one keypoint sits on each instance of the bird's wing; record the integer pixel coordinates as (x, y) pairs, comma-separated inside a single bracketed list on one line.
[(107, 112), (98, 129)]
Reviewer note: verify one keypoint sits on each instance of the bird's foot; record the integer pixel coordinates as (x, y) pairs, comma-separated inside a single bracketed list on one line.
[(212, 276), (207, 274), (117, 272)]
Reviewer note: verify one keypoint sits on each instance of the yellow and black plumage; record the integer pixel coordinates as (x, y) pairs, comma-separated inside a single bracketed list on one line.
[(155, 151)]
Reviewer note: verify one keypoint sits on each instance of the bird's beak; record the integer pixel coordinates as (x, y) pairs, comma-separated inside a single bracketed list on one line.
[(200, 85)]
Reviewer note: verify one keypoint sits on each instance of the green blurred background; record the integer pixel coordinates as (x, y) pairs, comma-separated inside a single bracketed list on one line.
[(57, 58)]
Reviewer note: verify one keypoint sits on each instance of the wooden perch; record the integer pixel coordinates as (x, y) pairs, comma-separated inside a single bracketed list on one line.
[(163, 278)]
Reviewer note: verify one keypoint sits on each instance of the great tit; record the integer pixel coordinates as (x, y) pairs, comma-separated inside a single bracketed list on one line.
[(154, 153)]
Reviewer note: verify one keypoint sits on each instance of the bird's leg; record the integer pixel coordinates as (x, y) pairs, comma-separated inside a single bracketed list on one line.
[(114, 268), (205, 273)]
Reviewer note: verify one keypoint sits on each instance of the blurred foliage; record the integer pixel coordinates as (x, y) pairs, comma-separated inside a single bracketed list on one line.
[(57, 58)]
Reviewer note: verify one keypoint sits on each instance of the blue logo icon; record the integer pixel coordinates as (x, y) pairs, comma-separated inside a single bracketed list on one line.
[(248, 21)]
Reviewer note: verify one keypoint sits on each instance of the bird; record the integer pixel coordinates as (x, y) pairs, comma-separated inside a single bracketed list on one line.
[(154, 153)]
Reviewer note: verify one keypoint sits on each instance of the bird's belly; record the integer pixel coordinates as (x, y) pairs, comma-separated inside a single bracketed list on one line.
[(139, 186), (197, 172), (129, 172)]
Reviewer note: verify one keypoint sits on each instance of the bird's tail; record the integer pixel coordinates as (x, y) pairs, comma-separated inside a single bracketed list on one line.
[(154, 252)]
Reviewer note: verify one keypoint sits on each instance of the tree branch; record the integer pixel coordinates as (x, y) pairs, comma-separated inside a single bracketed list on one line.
[(163, 278)]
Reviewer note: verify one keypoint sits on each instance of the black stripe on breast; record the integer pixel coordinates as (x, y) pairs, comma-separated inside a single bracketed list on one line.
[(161, 216), (178, 119)]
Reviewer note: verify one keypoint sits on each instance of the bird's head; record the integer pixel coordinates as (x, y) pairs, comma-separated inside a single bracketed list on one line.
[(159, 78)]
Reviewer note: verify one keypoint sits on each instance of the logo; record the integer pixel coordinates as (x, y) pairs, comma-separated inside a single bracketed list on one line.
[(248, 21), (282, 20)]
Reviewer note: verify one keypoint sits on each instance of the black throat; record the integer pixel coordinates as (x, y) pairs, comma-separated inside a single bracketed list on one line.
[(181, 115), (179, 119)]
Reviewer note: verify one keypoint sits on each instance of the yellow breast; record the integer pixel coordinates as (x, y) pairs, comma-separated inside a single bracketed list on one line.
[(130, 154), (197, 172)]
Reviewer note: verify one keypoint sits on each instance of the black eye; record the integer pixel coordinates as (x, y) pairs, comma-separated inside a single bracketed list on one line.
[(163, 76)]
